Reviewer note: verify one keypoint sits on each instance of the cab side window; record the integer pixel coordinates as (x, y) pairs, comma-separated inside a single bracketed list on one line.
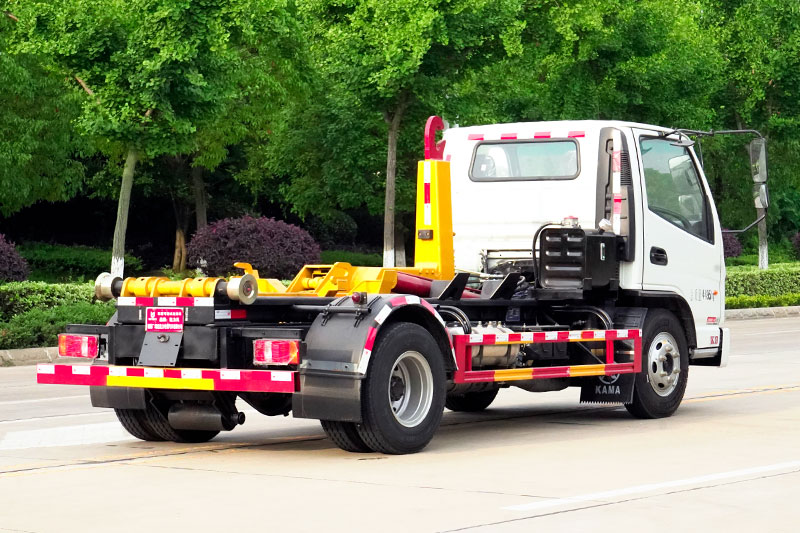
[(674, 191)]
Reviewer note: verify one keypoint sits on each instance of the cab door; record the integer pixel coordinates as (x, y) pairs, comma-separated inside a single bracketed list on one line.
[(682, 241)]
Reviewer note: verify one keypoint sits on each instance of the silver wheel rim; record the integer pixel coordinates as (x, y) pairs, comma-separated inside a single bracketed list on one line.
[(663, 364), (410, 389)]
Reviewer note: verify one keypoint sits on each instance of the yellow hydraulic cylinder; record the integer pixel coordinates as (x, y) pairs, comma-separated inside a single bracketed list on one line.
[(433, 254)]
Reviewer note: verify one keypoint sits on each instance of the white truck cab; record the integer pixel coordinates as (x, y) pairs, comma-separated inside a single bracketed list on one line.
[(642, 182)]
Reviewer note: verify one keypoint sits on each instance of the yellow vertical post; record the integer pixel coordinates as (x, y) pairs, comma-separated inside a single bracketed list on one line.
[(433, 252)]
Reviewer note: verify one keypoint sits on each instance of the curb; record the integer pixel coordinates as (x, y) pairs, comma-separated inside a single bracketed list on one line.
[(762, 312), (32, 356)]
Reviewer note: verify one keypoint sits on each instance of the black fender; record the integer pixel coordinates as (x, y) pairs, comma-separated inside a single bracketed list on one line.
[(664, 300), (339, 348)]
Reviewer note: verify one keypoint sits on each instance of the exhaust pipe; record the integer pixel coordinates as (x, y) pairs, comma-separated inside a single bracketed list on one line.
[(203, 417)]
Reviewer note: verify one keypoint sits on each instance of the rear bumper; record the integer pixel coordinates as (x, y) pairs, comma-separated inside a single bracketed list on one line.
[(281, 381)]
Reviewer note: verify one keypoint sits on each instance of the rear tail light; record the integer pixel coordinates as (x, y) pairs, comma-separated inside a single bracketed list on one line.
[(276, 352), (78, 345)]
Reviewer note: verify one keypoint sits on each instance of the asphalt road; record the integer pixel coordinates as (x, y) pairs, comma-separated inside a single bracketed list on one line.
[(729, 460)]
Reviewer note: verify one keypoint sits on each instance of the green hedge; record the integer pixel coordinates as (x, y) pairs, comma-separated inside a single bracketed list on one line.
[(21, 296), (40, 327), (328, 257), (747, 302), (58, 262), (778, 280)]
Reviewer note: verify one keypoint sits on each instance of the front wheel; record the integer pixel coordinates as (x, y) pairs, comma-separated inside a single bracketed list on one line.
[(403, 393), (660, 386)]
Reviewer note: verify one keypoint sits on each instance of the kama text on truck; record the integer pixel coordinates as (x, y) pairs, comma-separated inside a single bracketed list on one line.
[(548, 255)]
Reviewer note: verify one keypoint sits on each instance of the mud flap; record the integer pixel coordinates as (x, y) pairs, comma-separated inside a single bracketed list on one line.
[(608, 389), (160, 349)]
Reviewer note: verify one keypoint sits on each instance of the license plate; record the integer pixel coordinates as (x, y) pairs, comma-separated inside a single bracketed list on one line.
[(164, 320)]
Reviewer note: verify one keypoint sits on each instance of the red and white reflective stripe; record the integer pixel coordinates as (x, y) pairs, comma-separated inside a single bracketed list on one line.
[(541, 135), (617, 204), (575, 134), (165, 301), (426, 208), (509, 136), (550, 336), (475, 137), (284, 381), (616, 181), (230, 314)]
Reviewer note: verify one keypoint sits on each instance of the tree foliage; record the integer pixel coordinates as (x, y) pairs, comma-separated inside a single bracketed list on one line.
[(304, 104), (39, 149)]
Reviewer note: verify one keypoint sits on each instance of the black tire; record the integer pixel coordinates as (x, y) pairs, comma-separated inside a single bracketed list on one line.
[(345, 435), (660, 330), (157, 422), (399, 346), (133, 422), (471, 402)]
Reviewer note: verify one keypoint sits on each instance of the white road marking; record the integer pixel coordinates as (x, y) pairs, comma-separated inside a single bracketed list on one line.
[(64, 436), (651, 487), (104, 412), (39, 400)]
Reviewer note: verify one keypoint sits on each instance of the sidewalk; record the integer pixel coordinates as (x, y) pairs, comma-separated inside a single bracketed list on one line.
[(32, 356)]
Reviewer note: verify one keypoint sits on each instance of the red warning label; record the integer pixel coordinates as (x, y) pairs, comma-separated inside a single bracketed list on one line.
[(164, 320)]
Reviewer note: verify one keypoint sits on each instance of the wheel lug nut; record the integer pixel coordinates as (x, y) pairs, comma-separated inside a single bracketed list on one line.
[(662, 358), (668, 348)]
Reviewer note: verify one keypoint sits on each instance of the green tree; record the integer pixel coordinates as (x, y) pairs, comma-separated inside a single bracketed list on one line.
[(39, 149), (153, 70), (386, 57), (760, 40), (646, 61)]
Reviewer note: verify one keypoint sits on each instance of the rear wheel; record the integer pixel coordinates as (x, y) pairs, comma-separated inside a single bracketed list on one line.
[(660, 386), (471, 402), (403, 393), (345, 436), (133, 422)]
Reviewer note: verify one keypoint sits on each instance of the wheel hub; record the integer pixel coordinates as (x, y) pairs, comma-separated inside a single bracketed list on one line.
[(410, 388), (396, 388), (663, 364)]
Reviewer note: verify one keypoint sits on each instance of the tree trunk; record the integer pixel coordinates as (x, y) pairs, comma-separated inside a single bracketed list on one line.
[(393, 120), (181, 225), (200, 198), (763, 250), (179, 257), (399, 246), (118, 248)]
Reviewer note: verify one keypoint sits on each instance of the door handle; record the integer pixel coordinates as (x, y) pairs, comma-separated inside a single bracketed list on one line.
[(658, 256)]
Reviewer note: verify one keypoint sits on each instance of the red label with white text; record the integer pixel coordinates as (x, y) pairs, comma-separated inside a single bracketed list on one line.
[(164, 320)]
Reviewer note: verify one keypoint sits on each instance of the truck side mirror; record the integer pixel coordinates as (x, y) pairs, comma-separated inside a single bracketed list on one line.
[(758, 159), (761, 195)]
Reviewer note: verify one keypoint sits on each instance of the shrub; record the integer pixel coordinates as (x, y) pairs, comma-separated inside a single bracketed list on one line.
[(778, 280), (275, 248), (332, 229), (731, 245), (796, 244), (748, 302), (22, 296), (12, 266), (56, 261), (354, 258), (40, 327)]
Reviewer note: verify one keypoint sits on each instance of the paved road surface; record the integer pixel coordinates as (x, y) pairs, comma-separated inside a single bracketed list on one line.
[(729, 460)]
